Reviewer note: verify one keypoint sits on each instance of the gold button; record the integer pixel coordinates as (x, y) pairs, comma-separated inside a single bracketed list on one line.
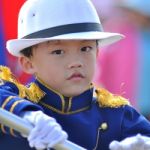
[(104, 126)]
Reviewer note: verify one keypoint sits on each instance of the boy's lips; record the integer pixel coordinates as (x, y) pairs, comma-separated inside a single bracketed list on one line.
[(76, 76)]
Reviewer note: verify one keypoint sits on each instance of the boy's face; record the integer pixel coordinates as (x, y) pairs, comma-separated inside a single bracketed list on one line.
[(66, 66)]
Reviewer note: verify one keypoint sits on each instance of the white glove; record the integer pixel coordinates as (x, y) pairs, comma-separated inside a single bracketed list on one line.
[(137, 142), (46, 132)]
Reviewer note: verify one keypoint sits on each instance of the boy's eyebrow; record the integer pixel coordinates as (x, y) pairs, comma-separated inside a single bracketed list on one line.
[(54, 42), (83, 41)]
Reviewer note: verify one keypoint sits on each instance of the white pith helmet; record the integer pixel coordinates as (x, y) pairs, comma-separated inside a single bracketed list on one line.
[(44, 20)]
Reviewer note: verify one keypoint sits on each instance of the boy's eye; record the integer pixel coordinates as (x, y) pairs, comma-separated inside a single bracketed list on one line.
[(57, 52), (86, 48)]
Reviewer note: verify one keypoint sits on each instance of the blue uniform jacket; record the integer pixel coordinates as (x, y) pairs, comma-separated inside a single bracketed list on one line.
[(89, 121)]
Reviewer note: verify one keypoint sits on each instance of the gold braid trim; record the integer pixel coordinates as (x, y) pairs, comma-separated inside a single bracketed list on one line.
[(107, 99), (33, 92)]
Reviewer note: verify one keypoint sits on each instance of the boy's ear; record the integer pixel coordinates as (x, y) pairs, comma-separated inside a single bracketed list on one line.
[(26, 65)]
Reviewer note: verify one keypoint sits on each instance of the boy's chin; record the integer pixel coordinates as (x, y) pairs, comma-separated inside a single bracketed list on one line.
[(75, 91)]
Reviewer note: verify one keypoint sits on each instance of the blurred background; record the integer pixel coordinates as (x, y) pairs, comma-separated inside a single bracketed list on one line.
[(122, 68)]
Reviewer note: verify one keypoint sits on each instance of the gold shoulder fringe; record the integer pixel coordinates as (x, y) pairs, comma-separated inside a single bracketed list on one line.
[(33, 92), (107, 99)]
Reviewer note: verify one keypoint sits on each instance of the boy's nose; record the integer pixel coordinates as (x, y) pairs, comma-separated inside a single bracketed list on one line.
[(75, 64)]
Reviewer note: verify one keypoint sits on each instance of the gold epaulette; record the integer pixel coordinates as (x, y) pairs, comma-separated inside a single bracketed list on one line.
[(33, 92), (107, 99)]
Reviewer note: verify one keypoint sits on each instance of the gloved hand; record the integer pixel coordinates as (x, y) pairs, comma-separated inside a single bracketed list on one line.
[(137, 142), (46, 132)]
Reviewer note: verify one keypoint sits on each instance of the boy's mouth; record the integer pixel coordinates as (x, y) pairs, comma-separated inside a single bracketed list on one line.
[(76, 76)]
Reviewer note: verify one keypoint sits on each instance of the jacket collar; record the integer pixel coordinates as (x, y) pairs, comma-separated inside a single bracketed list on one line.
[(65, 105)]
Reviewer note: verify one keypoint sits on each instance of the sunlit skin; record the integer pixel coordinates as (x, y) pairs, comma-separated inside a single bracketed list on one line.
[(65, 66)]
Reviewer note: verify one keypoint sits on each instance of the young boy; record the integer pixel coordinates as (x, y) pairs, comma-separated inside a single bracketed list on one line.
[(58, 43)]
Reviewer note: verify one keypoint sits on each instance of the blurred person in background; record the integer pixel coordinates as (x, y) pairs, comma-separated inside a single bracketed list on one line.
[(128, 72), (116, 67), (139, 14)]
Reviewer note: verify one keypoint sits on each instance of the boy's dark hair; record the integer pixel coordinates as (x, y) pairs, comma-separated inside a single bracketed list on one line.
[(27, 52), (97, 43)]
